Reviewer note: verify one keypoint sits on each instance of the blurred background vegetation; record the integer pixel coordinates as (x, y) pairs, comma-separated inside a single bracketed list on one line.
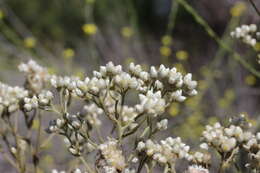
[(76, 36)]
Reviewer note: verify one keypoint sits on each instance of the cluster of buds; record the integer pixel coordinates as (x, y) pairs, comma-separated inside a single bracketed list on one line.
[(36, 76), (77, 170), (10, 98), (196, 169), (202, 158), (162, 125), (42, 99), (112, 154), (230, 140), (73, 128), (167, 151), (248, 34), (217, 137), (252, 146), (108, 87), (91, 113)]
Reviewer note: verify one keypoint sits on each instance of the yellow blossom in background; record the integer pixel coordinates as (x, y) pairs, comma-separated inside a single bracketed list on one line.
[(238, 9), (39, 170), (180, 67), (29, 42), (68, 53), (212, 120), (193, 102), (257, 46), (127, 32), (223, 103), (203, 85), (174, 109), (205, 71), (90, 1), (230, 94), (52, 70), (192, 128), (250, 80), (89, 29), (166, 40), (80, 73), (165, 51), (182, 55), (129, 60), (228, 99), (2, 15)]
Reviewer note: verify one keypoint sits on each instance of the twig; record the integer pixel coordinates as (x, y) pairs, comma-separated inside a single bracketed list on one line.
[(254, 6)]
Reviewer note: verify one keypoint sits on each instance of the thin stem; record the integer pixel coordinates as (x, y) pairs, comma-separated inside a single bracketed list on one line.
[(254, 6), (46, 141), (220, 42), (86, 165), (37, 146)]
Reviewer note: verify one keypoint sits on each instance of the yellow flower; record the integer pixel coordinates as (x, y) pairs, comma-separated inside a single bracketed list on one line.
[(89, 29), (29, 42), (230, 94), (2, 15), (180, 67), (257, 46), (250, 80), (223, 103), (129, 60), (52, 70), (68, 53), (203, 84), (79, 73), (212, 120), (166, 40), (127, 32), (165, 51), (174, 109), (182, 55), (238, 9)]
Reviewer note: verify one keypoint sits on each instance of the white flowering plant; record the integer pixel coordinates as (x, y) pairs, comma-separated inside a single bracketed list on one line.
[(109, 132)]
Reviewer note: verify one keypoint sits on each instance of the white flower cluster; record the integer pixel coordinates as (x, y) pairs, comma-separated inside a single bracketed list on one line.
[(67, 82), (92, 112), (245, 33), (112, 154), (30, 103), (162, 125), (151, 103), (197, 169), (77, 170), (252, 146), (129, 114), (202, 158), (248, 34), (156, 89), (70, 126), (216, 136), (227, 139), (42, 99), (10, 97), (167, 151), (35, 74)]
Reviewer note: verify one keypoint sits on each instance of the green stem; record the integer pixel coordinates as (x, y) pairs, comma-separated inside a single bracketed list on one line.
[(212, 34)]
